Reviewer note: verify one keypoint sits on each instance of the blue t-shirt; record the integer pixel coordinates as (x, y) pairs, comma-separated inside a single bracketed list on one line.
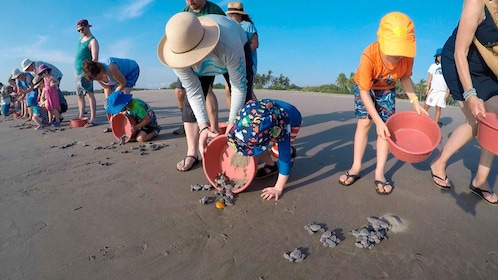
[(250, 30), (126, 66)]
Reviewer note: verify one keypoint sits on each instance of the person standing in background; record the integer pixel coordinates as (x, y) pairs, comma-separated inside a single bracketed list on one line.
[(437, 90), (88, 49), (236, 12)]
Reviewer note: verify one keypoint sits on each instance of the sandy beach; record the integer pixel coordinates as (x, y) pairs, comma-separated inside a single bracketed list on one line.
[(75, 205)]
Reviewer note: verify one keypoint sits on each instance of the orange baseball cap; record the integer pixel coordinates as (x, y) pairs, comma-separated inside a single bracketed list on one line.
[(396, 35)]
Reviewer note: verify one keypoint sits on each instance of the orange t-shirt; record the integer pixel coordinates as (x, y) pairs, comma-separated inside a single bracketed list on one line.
[(373, 73)]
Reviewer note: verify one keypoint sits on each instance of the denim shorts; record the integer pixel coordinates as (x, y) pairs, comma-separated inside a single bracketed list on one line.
[(83, 86)]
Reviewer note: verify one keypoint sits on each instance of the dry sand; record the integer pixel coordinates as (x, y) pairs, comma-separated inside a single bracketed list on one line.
[(69, 210)]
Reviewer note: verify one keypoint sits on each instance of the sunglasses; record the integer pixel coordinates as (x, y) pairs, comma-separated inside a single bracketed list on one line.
[(80, 30)]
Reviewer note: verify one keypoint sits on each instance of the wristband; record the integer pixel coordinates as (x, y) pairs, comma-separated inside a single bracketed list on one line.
[(204, 128), (469, 93), (413, 99)]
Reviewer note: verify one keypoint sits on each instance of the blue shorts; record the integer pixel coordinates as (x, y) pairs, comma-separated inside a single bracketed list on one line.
[(384, 101), (83, 86), (31, 98), (131, 79)]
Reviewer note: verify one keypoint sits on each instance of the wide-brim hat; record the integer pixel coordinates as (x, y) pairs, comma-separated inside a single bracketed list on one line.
[(187, 40), (16, 73), (117, 101), (42, 68), (258, 123), (37, 81), (396, 35), (236, 8), (26, 63), (438, 52)]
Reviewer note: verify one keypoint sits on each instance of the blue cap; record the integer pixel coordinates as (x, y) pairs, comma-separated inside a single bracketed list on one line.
[(438, 52), (117, 101)]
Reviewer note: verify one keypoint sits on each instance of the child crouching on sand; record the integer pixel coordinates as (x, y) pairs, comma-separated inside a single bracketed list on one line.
[(146, 127), (260, 124)]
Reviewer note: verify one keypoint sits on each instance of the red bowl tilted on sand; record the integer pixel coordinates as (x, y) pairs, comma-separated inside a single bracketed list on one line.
[(79, 122), (487, 132), (121, 127), (413, 136), (219, 158)]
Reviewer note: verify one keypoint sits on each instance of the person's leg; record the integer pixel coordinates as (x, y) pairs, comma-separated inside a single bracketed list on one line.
[(437, 116), (461, 136), (382, 153), (228, 96), (192, 134), (480, 181), (212, 109), (180, 100), (81, 106), (359, 146), (93, 107)]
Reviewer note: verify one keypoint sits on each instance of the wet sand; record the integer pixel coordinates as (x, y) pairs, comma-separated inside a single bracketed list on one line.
[(75, 206)]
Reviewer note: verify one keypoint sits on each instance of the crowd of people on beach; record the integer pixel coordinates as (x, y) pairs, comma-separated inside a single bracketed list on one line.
[(201, 42)]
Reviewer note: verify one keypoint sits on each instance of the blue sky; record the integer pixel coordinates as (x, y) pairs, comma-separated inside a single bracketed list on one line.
[(310, 42)]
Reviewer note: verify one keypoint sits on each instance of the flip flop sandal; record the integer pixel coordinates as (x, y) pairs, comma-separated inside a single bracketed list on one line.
[(90, 124), (348, 176), (443, 187), (196, 161), (266, 171), (383, 184), (480, 194), (108, 129)]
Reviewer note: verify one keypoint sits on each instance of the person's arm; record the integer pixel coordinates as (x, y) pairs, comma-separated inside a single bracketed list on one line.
[(254, 43), (236, 65), (407, 84), (145, 121), (194, 93), (94, 49), (428, 87), (117, 76), (472, 16)]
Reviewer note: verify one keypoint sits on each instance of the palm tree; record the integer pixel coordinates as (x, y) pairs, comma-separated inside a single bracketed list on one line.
[(342, 82), (351, 83), (420, 88)]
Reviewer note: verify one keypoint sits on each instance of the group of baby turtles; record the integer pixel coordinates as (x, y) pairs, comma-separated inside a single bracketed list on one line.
[(224, 191), (328, 239), (371, 234), (374, 232)]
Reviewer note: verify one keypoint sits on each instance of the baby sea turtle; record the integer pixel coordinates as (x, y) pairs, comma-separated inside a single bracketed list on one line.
[(295, 256), (329, 239), (313, 228), (196, 187), (206, 200)]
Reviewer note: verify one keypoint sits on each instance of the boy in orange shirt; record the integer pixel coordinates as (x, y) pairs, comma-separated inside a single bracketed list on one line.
[(382, 63)]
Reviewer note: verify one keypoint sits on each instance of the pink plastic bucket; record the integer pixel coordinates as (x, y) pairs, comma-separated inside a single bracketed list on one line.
[(121, 126), (413, 136), (218, 159), (487, 132)]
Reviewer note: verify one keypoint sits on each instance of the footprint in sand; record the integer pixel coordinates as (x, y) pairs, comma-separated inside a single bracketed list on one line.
[(11, 237), (114, 252)]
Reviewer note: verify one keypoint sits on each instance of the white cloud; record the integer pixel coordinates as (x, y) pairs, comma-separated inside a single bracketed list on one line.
[(133, 10)]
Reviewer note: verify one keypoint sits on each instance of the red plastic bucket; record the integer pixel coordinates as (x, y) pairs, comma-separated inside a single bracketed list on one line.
[(219, 158), (487, 132), (79, 122), (121, 126), (413, 136)]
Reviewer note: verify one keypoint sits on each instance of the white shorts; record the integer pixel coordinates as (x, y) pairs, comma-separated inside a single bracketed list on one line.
[(436, 98)]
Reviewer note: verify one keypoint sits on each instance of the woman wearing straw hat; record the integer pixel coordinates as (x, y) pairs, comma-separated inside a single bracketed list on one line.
[(203, 46), (236, 12), (470, 71)]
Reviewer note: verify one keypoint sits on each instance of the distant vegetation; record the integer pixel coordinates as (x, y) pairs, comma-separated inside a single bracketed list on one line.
[(343, 85)]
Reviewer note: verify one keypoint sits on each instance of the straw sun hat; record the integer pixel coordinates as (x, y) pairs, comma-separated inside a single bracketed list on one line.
[(188, 40), (236, 8)]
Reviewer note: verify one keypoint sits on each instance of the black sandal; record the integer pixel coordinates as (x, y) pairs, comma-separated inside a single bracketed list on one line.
[(266, 171)]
